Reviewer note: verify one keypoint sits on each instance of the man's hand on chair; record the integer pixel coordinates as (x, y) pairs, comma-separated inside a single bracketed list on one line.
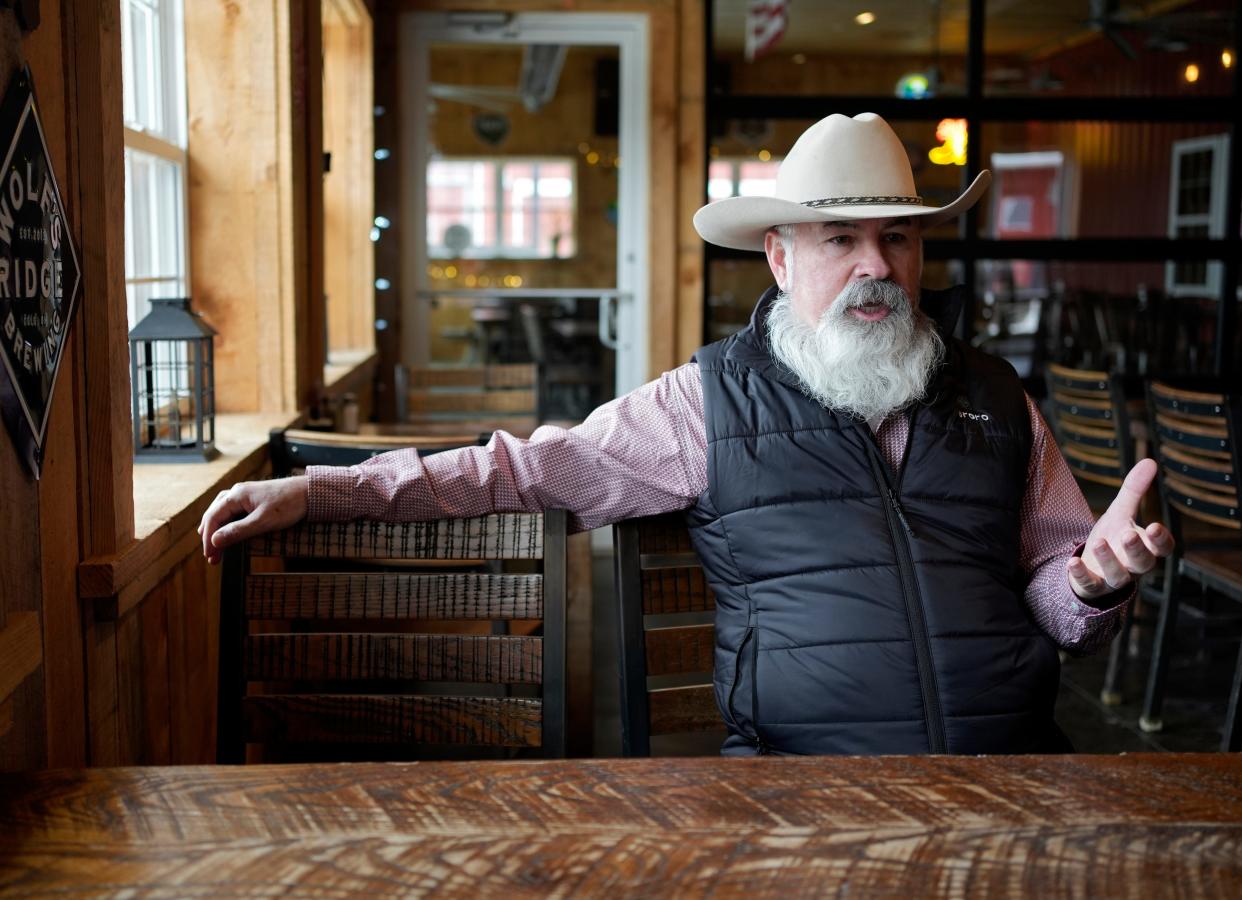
[(1118, 550), (264, 505)]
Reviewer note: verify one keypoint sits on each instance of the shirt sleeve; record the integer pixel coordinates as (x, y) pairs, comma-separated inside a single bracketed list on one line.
[(1055, 524), (640, 454)]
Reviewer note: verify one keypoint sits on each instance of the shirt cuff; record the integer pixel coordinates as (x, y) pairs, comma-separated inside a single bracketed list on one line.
[(329, 493), (1104, 604)]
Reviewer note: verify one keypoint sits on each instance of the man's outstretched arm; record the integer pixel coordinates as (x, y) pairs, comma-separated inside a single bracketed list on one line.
[(1082, 574), (633, 456)]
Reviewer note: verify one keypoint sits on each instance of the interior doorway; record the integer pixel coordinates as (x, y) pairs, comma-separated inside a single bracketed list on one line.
[(524, 186)]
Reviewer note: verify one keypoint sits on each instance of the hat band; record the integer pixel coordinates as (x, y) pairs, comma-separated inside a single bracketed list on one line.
[(861, 201)]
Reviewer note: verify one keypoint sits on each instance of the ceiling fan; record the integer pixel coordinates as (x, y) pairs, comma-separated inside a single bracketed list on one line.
[(537, 83), (1170, 30)]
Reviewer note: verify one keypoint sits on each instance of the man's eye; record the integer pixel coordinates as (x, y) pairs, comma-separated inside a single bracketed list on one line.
[(895, 237), (839, 239)]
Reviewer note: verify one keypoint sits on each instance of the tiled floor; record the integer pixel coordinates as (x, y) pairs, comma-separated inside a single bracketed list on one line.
[(1194, 708)]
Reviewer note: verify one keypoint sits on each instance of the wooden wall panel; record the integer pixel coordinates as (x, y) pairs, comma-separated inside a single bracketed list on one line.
[(244, 196), (349, 187)]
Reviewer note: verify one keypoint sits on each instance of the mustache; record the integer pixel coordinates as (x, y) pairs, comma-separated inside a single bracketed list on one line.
[(869, 292)]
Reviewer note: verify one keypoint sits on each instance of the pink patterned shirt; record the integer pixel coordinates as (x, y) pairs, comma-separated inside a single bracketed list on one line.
[(646, 453)]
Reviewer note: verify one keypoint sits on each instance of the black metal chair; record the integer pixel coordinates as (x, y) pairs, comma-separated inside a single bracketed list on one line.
[(666, 635), (373, 671), (1196, 438)]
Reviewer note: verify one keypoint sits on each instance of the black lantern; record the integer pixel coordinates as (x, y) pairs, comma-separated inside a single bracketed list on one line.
[(172, 381)]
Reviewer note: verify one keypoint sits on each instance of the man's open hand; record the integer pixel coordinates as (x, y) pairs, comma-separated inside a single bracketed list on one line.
[(265, 505), (1118, 550)]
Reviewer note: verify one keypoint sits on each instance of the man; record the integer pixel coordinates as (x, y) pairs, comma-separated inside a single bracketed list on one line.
[(890, 531)]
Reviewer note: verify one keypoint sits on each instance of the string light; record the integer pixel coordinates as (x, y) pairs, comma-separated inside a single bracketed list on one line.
[(592, 158), (471, 281), (1192, 73), (864, 18), (382, 284), (765, 155), (1226, 58), (382, 222), (450, 271), (382, 153)]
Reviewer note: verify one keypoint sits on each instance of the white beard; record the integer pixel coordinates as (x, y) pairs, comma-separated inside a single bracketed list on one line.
[(845, 363)]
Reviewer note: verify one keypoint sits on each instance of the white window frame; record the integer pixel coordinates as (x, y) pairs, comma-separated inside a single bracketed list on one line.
[(735, 171), (1214, 219), (439, 251), (170, 143)]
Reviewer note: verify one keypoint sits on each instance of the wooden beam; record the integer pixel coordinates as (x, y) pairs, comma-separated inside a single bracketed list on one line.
[(92, 39)]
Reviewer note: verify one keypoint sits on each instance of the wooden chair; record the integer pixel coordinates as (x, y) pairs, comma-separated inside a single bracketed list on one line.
[(480, 398), (1092, 426), (666, 634), (354, 678), (1196, 445), (292, 450)]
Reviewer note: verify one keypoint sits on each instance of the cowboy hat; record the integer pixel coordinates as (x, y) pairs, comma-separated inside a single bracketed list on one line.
[(840, 168)]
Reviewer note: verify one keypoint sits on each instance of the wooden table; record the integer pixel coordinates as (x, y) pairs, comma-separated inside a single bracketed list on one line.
[(1142, 825)]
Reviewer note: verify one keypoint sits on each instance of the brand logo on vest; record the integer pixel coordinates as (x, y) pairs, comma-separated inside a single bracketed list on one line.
[(974, 417)]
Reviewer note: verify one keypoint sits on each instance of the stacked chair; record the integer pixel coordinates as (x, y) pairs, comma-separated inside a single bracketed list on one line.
[(456, 400), (1090, 420), (1195, 436)]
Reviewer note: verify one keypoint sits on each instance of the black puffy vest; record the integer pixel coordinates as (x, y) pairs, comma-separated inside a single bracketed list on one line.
[(863, 611)]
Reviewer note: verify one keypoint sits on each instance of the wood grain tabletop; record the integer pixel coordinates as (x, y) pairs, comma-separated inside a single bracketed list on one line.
[(1088, 826)]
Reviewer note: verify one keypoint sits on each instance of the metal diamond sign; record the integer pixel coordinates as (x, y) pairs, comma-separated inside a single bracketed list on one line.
[(39, 272)]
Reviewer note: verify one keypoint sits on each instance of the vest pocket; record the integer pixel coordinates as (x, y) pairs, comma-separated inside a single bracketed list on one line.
[(746, 725)]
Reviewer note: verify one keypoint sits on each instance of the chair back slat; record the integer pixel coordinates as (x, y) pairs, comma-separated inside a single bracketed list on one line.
[(1202, 471), (291, 674), (507, 375), (498, 536), (393, 595), (1089, 417), (681, 650), (658, 576), (1087, 381), (470, 403), (393, 719), (676, 590), (488, 659), (681, 710)]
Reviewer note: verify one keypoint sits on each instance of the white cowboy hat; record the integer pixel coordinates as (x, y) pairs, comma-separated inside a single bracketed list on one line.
[(840, 168)]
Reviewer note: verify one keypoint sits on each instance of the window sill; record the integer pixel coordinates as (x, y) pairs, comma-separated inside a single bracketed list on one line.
[(169, 501), (170, 498)]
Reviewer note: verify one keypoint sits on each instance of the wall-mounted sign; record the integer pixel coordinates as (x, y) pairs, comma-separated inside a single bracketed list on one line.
[(38, 272)]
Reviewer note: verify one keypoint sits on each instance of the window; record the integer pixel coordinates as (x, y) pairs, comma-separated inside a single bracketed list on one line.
[(741, 178), (501, 208), (1197, 209), (153, 84)]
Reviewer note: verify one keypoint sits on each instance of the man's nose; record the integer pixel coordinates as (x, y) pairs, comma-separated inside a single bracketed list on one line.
[(873, 263)]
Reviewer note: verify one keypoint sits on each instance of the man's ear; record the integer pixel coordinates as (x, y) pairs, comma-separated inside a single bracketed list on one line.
[(774, 248)]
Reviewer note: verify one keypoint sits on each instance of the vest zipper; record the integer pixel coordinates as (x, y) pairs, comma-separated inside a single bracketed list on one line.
[(895, 516)]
